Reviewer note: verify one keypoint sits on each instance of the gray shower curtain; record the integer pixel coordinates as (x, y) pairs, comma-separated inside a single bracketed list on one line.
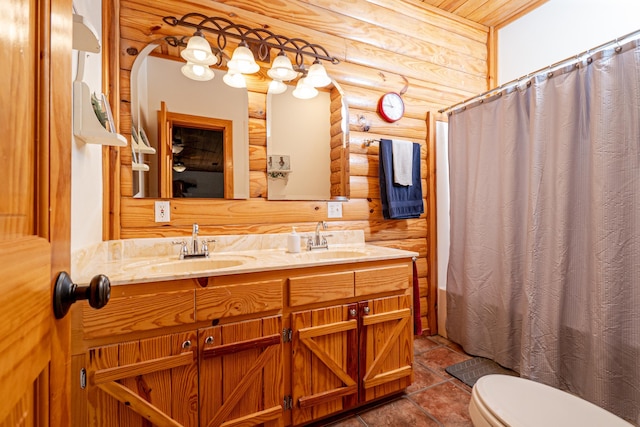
[(544, 269)]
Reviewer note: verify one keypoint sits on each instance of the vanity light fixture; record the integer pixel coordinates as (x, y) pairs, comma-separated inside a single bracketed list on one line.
[(198, 51), (179, 167), (197, 72), (261, 42), (317, 75), (242, 60), (304, 90), (282, 69), (277, 87), (234, 79)]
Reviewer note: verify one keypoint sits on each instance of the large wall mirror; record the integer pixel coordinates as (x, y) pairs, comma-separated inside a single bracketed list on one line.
[(198, 130), (311, 135)]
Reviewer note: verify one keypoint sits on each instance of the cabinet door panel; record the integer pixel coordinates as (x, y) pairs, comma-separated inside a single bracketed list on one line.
[(386, 340), (156, 377), (241, 375), (324, 379)]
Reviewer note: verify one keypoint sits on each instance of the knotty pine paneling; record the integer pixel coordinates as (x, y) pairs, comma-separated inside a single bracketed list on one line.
[(382, 45)]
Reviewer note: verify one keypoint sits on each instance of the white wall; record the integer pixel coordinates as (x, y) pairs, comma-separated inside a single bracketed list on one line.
[(560, 29), (86, 159)]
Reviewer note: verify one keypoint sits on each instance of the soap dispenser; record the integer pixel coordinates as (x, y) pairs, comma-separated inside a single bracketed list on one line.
[(293, 241)]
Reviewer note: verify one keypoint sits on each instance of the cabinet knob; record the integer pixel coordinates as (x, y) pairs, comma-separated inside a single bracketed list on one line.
[(366, 310), (209, 340), (353, 312), (66, 293), (186, 344)]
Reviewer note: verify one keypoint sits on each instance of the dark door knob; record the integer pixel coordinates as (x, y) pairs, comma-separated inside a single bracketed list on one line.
[(66, 293)]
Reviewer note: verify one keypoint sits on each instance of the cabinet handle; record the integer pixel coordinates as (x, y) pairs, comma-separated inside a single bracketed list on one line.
[(353, 312), (209, 340), (186, 344), (366, 310)]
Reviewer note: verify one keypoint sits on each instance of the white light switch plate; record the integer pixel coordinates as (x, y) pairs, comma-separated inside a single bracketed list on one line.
[(163, 211), (334, 209)]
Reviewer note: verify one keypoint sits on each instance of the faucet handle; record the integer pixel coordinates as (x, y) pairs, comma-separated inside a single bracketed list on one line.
[(205, 246), (183, 247)]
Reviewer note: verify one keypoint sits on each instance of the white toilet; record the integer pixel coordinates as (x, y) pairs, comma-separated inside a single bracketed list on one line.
[(503, 400)]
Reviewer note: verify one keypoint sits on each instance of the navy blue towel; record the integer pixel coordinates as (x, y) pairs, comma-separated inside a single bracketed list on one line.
[(399, 201)]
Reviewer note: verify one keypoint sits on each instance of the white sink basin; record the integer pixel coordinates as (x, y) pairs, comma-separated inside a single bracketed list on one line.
[(185, 266)]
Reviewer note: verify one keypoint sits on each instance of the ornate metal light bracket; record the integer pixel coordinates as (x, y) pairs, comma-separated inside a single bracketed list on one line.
[(260, 37)]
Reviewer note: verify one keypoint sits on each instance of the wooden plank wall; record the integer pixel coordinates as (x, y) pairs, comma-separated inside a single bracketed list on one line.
[(379, 43)]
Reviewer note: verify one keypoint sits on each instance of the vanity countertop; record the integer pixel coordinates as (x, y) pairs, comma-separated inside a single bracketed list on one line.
[(142, 260)]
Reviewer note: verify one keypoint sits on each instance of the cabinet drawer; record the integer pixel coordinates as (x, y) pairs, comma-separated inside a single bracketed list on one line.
[(383, 279), (138, 313), (320, 288), (235, 300)]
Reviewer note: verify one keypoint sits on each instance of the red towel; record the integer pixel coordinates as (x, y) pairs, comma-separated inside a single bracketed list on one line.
[(417, 321)]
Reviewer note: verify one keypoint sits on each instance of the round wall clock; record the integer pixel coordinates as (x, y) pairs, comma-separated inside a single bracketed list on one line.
[(391, 107)]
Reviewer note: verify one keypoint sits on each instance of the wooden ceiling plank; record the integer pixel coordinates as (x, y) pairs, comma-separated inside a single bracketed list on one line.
[(489, 13)]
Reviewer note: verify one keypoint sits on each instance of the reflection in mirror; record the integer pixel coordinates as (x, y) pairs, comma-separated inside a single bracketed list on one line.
[(156, 80), (197, 162), (298, 132), (308, 139), (198, 152)]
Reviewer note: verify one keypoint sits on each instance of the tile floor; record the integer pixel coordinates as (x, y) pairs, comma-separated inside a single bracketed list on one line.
[(434, 399)]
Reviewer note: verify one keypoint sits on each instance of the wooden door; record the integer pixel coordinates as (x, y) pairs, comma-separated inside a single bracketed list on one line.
[(386, 346), (241, 374), (324, 368), (153, 380), (35, 119)]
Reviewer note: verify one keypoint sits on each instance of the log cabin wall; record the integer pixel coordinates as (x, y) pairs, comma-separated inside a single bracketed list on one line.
[(379, 43)]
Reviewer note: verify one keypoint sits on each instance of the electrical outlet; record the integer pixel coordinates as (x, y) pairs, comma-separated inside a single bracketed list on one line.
[(162, 211), (334, 209)]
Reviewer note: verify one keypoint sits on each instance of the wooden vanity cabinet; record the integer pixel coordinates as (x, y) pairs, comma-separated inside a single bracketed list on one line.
[(279, 348), (350, 354)]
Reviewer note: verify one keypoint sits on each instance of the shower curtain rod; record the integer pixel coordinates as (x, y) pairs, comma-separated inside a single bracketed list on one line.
[(567, 61)]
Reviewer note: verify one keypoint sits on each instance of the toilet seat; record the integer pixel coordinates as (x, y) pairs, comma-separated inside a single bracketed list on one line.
[(503, 400)]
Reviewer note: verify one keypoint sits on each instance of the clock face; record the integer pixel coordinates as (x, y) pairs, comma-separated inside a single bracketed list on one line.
[(391, 107)]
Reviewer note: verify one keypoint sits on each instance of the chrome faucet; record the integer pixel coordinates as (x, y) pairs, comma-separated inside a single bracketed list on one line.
[(196, 251), (194, 239), (317, 241)]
